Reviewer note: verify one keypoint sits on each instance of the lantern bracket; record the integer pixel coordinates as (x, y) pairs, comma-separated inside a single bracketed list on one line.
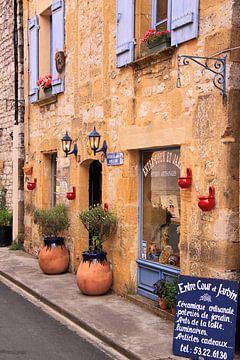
[(214, 64)]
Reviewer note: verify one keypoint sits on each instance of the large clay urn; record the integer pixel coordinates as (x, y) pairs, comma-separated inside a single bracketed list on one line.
[(54, 257), (94, 275)]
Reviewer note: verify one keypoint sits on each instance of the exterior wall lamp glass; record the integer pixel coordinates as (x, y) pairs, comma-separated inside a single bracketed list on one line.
[(67, 144), (94, 139)]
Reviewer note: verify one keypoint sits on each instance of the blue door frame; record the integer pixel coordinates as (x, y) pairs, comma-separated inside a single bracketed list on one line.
[(148, 271)]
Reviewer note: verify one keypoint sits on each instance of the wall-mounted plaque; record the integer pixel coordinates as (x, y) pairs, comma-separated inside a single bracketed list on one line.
[(114, 159)]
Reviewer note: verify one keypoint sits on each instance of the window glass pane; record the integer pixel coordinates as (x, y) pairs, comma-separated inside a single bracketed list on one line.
[(162, 26), (161, 206), (162, 6)]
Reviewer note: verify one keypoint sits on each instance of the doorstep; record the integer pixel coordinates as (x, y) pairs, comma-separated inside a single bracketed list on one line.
[(150, 305)]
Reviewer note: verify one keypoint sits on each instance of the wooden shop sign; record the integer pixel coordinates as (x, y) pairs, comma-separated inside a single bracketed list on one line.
[(205, 321)]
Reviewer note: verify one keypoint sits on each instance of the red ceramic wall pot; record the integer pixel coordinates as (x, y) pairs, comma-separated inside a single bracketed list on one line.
[(31, 185), (207, 203), (185, 181), (71, 195)]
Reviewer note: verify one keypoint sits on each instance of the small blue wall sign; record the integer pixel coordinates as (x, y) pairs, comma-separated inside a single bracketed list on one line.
[(205, 321), (114, 159)]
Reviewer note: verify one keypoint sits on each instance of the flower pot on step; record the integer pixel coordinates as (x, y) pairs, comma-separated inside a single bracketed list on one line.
[(94, 275), (54, 257), (162, 304)]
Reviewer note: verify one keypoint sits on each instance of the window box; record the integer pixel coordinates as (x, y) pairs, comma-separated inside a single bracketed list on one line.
[(159, 44)]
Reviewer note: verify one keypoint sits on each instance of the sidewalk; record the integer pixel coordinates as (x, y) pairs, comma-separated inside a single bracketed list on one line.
[(133, 331)]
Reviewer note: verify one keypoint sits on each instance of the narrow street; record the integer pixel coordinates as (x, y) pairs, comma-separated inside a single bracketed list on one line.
[(28, 333)]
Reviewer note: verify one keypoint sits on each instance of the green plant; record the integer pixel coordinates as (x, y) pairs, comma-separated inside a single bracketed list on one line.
[(3, 192), (5, 217), (16, 246), (100, 223), (159, 288), (170, 293), (52, 222)]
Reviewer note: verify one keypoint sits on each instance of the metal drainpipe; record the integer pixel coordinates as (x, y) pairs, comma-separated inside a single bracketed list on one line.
[(16, 127)]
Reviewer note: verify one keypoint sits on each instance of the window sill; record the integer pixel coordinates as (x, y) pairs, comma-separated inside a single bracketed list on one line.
[(48, 100), (147, 59)]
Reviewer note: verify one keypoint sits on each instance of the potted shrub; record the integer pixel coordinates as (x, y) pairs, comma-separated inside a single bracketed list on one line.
[(5, 220), (170, 294), (53, 257), (94, 275), (159, 290)]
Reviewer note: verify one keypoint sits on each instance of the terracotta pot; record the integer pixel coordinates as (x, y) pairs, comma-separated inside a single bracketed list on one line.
[(94, 277), (53, 258), (162, 304), (173, 311)]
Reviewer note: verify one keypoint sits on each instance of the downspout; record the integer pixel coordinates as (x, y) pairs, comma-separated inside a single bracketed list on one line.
[(17, 153)]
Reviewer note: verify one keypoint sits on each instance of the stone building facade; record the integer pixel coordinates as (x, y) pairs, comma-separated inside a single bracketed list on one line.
[(160, 130), (12, 110)]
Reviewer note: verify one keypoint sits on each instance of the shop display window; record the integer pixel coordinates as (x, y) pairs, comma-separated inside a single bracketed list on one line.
[(161, 206)]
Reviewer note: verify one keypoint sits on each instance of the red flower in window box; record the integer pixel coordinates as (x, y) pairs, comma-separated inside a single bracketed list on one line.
[(153, 36), (45, 82)]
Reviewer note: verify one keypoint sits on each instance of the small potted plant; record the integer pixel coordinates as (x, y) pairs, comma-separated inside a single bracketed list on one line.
[(156, 40), (5, 220), (45, 82), (170, 294), (94, 275), (53, 257), (159, 290)]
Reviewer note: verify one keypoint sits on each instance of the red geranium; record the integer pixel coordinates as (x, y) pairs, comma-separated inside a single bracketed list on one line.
[(153, 35), (45, 82)]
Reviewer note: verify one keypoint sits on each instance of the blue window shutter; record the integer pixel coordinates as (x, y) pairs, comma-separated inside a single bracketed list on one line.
[(125, 32), (154, 14), (57, 39), (184, 20), (33, 29)]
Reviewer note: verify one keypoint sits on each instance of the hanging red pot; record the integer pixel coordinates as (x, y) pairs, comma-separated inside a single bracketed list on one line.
[(71, 195), (207, 203), (31, 185), (185, 181)]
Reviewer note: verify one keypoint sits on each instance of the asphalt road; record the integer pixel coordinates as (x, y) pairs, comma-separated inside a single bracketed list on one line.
[(28, 333)]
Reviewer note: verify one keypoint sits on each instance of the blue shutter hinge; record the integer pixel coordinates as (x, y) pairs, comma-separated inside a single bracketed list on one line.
[(216, 65), (119, 15)]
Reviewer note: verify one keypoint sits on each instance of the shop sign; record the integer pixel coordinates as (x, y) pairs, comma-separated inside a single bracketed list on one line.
[(205, 320), (114, 159), (158, 157)]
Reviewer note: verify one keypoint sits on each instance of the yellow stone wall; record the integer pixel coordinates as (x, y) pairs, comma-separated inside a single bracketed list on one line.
[(139, 107)]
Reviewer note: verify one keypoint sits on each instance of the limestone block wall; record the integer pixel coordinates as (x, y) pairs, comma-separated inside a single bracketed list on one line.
[(135, 108)]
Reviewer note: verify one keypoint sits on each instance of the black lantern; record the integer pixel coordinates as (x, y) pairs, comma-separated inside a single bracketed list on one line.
[(67, 144), (94, 139)]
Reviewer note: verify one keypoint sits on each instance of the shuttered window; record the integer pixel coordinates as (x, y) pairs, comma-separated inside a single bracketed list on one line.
[(178, 16), (43, 49)]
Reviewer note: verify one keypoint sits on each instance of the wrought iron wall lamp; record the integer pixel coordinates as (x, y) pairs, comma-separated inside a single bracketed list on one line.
[(67, 144), (94, 139), (214, 64)]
